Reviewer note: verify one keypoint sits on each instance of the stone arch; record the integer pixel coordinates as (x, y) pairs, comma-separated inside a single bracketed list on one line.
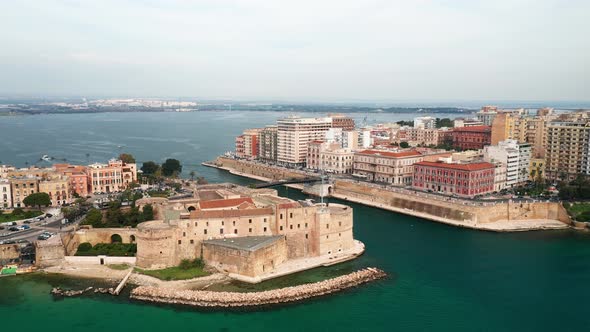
[(116, 238), (191, 208), (132, 239)]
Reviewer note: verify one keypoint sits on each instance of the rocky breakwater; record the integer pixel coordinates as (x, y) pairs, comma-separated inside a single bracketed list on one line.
[(276, 296), (58, 292)]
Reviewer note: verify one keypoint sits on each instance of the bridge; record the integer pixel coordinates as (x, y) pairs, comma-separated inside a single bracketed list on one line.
[(288, 181)]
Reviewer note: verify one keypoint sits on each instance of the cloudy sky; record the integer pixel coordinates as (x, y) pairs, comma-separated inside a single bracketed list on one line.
[(317, 50)]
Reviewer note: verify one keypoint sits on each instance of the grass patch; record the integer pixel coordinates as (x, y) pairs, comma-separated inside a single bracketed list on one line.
[(118, 267), (158, 193), (108, 249), (19, 215), (186, 270), (579, 211)]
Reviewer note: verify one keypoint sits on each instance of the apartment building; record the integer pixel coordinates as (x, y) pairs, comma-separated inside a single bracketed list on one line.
[(341, 121), (57, 187), (23, 186), (329, 157), (418, 136), (515, 156), (268, 144), (425, 122), (350, 139), (487, 114), (78, 178), (247, 144), (112, 177), (568, 149), (465, 180), (5, 194), (471, 138), (294, 135), (385, 166)]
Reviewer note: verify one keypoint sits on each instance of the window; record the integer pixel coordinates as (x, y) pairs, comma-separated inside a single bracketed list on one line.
[(298, 225), (249, 230), (281, 217), (327, 226), (290, 226), (234, 222), (205, 231), (249, 221), (179, 242), (291, 215), (306, 236), (221, 231), (265, 229), (192, 241), (183, 233), (264, 219), (281, 228), (305, 225), (236, 231), (196, 224), (340, 223), (222, 223)]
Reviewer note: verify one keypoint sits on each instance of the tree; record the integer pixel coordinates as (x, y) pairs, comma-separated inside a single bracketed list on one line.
[(148, 212), (127, 158), (93, 218), (192, 174), (171, 167), (444, 122), (37, 199), (149, 167), (404, 145), (201, 180)]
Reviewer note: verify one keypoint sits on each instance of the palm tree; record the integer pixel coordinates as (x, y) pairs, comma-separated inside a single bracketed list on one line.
[(192, 174)]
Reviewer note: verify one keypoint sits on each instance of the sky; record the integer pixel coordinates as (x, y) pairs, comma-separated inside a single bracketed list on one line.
[(318, 50)]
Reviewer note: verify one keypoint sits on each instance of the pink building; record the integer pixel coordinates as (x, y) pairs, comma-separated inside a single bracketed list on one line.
[(77, 175), (466, 180)]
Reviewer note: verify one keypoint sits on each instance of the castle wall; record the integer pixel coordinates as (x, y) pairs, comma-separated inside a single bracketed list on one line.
[(244, 262)]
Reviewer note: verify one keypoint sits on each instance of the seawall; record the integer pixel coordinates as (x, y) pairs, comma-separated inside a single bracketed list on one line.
[(276, 296), (504, 216)]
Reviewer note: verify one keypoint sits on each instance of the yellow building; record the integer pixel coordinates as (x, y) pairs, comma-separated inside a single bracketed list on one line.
[(568, 149), (58, 189)]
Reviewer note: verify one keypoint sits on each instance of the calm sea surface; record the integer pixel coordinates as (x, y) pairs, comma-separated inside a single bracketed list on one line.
[(442, 278)]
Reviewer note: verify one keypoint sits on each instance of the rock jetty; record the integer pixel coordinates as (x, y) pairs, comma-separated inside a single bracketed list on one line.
[(58, 292), (276, 296)]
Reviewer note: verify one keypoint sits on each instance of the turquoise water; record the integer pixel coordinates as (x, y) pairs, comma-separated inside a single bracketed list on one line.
[(441, 278)]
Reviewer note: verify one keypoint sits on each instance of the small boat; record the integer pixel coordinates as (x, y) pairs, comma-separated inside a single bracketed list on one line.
[(8, 270), (46, 157)]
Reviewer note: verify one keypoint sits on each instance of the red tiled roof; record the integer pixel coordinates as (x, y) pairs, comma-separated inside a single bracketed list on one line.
[(410, 153), (464, 167), (222, 203), (473, 128)]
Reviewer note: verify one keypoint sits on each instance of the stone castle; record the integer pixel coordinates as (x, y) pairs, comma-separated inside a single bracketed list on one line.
[(251, 234)]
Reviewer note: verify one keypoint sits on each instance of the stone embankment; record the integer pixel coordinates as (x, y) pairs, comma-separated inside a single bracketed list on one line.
[(276, 296)]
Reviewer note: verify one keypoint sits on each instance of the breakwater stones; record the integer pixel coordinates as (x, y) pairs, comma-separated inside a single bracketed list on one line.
[(276, 296), (58, 292)]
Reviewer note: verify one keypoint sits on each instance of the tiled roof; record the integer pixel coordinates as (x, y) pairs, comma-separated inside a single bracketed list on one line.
[(410, 153), (464, 167), (224, 203)]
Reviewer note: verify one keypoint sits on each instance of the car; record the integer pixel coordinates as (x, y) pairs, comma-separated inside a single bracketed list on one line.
[(23, 227), (13, 229), (48, 215), (27, 221), (43, 237)]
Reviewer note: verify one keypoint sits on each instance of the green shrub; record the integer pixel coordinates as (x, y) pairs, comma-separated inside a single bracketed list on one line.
[(85, 246)]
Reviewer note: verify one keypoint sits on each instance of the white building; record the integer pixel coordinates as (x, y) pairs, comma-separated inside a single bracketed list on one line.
[(516, 156), (365, 140), (294, 135), (329, 157), (350, 139), (334, 135), (426, 122), (5, 194)]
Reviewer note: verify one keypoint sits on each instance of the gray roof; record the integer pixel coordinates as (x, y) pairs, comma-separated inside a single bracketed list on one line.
[(249, 243)]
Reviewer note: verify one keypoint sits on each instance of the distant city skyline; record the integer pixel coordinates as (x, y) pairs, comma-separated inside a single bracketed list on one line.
[(412, 52)]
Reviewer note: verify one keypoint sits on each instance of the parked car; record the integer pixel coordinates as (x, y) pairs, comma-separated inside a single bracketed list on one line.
[(13, 229), (43, 237), (48, 215)]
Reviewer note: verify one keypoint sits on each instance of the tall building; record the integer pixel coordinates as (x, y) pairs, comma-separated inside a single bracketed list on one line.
[(342, 121), (471, 138), (465, 180), (515, 156), (23, 186), (350, 139), (294, 135), (487, 114), (247, 144), (568, 149), (268, 144), (425, 122), (509, 125)]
